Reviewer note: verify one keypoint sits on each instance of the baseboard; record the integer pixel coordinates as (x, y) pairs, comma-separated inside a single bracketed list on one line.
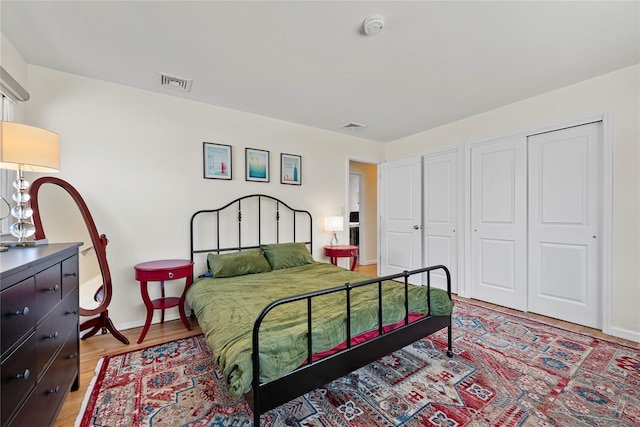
[(626, 334), (140, 323)]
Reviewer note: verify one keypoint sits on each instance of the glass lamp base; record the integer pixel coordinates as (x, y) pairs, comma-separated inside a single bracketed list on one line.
[(334, 238), (21, 229)]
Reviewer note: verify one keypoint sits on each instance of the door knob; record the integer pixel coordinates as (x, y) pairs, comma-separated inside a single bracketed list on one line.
[(416, 227)]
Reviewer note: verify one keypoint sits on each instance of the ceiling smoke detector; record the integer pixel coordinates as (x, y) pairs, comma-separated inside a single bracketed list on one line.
[(174, 82), (373, 25)]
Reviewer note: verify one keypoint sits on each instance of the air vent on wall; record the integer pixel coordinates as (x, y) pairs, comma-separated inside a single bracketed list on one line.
[(174, 82), (352, 126)]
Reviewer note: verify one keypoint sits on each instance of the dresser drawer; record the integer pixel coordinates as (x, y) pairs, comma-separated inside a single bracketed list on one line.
[(69, 275), (45, 401), (18, 377), (48, 290), (162, 275), (55, 383), (51, 333), (27, 414), (18, 305)]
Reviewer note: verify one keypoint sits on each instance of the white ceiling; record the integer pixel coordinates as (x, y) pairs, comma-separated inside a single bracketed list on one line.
[(309, 62)]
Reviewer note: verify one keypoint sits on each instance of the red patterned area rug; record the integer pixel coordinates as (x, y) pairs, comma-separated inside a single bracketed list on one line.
[(506, 371)]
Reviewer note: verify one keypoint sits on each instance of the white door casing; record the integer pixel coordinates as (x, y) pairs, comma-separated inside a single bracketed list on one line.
[(498, 226), (400, 216), (565, 199), (440, 234)]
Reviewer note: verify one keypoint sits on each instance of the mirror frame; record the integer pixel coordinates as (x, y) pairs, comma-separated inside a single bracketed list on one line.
[(99, 241), (4, 202)]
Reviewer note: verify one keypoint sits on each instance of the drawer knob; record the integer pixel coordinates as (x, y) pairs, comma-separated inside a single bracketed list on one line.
[(25, 375), (53, 289), (74, 312), (53, 335), (74, 274), (170, 275), (55, 390), (73, 356), (24, 312)]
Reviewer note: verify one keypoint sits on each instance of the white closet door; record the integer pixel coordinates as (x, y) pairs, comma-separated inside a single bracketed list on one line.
[(441, 216), (400, 211), (499, 222), (565, 199)]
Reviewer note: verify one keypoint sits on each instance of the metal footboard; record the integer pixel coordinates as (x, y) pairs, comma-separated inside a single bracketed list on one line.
[(313, 374)]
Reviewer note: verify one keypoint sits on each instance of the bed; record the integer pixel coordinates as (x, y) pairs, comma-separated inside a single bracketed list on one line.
[(281, 324)]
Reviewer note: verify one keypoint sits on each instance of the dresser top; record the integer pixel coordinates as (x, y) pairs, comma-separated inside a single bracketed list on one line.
[(18, 259)]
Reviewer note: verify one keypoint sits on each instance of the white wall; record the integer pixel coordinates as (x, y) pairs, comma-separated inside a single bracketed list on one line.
[(619, 91), (15, 65), (136, 157)]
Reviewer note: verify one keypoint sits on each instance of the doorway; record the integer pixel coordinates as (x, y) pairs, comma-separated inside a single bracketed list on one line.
[(362, 210)]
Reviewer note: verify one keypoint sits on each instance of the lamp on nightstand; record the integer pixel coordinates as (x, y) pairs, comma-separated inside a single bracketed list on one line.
[(333, 224), (26, 148)]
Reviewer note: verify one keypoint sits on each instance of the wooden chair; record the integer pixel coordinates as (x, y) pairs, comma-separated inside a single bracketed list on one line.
[(103, 295)]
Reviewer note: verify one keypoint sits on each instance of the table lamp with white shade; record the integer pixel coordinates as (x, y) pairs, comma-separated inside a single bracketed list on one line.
[(333, 224), (26, 148)]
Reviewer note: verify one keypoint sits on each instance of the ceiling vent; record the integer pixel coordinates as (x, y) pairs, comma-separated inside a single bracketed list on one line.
[(174, 82), (352, 126)]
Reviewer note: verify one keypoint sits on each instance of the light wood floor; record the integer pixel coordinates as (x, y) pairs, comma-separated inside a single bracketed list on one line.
[(95, 347)]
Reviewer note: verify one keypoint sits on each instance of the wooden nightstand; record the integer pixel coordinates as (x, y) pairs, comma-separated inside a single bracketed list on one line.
[(159, 271), (342, 251)]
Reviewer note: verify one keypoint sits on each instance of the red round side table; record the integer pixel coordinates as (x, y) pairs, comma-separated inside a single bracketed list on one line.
[(159, 271), (342, 251)]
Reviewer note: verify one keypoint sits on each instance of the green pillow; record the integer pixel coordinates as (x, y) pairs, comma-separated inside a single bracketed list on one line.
[(286, 255), (237, 263)]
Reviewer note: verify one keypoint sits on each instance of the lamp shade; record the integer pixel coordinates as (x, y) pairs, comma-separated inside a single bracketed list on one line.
[(29, 148), (333, 223)]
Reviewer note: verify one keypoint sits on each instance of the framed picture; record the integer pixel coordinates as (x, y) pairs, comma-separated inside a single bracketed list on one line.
[(256, 165), (217, 161), (290, 169)]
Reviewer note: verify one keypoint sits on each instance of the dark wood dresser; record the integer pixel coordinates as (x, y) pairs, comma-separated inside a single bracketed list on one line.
[(40, 354)]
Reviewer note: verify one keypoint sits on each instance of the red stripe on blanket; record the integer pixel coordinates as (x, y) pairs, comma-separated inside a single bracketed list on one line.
[(365, 336)]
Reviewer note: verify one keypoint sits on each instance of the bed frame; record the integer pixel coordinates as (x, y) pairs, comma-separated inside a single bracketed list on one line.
[(298, 228)]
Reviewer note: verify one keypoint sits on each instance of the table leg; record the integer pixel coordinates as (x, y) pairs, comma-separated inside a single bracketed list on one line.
[(147, 302), (354, 261), (162, 295), (183, 315), (334, 260)]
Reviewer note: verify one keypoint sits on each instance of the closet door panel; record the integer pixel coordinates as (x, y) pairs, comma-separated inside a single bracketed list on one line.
[(400, 221), (564, 193), (498, 222), (440, 234)]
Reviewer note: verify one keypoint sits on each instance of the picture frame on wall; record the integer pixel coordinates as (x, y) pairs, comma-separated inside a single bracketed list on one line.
[(290, 169), (256, 165), (217, 161)]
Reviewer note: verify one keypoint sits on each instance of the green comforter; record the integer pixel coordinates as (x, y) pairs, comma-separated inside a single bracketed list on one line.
[(227, 309)]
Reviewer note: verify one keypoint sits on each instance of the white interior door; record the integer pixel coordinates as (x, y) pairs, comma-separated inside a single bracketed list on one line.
[(441, 216), (400, 216), (565, 199), (498, 225)]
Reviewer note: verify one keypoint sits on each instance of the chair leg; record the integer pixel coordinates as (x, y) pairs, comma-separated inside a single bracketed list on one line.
[(86, 325), (104, 323), (111, 328)]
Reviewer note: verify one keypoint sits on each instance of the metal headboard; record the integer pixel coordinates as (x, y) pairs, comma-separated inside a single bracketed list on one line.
[(285, 225)]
